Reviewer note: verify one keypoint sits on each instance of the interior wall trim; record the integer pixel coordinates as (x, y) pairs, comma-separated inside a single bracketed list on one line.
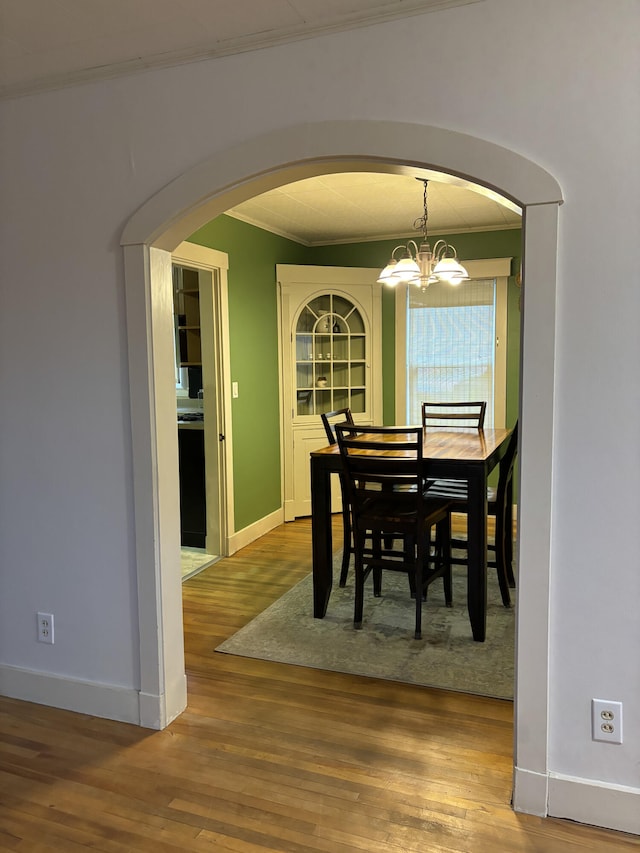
[(84, 697), (596, 803)]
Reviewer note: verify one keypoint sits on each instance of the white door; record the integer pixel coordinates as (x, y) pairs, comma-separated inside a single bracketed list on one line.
[(330, 356)]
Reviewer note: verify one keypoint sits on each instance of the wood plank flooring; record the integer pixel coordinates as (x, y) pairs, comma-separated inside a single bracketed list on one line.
[(269, 757)]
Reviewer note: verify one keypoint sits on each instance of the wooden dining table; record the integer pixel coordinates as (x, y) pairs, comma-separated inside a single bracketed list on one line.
[(461, 454)]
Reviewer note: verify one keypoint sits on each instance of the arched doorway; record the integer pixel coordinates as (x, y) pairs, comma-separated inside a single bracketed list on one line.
[(263, 163)]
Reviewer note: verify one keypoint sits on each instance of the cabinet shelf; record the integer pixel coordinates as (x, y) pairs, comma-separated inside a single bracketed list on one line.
[(187, 319), (331, 345), (188, 343)]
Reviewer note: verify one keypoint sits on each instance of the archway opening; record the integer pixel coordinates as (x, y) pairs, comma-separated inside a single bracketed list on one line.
[(233, 176)]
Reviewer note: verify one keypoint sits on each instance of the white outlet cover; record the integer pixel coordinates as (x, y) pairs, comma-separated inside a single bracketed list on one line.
[(606, 720)]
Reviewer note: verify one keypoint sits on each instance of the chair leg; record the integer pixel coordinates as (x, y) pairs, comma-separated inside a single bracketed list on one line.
[(508, 551), (422, 554), (359, 582), (443, 533), (376, 551), (347, 545), (501, 568), (409, 552), (377, 583), (442, 557)]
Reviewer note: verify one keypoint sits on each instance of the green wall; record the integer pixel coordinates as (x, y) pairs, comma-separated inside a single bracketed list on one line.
[(253, 255), (253, 335)]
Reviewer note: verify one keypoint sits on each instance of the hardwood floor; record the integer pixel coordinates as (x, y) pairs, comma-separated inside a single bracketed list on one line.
[(269, 757)]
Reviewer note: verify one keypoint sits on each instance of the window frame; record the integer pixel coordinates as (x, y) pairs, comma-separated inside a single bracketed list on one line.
[(498, 269)]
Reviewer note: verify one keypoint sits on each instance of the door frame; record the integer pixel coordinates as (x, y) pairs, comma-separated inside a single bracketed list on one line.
[(264, 162), (214, 331)]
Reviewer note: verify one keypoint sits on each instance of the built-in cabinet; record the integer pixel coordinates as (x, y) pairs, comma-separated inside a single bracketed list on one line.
[(187, 311), (330, 322), (186, 307), (330, 356)]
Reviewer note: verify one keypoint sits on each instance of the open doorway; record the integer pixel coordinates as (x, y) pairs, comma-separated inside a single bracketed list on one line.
[(201, 358), (286, 155)]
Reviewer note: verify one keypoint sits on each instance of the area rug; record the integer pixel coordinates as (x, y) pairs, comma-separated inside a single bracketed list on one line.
[(446, 657)]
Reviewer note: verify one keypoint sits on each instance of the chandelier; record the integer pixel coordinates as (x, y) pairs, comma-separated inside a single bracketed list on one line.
[(423, 266)]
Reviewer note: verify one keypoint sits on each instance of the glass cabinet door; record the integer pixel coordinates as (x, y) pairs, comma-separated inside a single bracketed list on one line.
[(330, 351)]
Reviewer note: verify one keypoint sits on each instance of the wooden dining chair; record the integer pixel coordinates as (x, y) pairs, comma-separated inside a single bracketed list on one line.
[(329, 421), (384, 474), (453, 415), (499, 505)]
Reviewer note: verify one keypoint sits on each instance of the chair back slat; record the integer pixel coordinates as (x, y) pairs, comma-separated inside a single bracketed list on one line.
[(454, 415), (330, 419)]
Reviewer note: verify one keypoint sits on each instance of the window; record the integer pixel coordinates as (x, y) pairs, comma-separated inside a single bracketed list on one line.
[(451, 343)]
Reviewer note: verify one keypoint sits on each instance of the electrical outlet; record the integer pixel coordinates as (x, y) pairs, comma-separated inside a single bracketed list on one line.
[(606, 720), (45, 628)]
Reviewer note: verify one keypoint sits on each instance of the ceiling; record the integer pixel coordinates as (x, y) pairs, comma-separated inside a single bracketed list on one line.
[(51, 44), (359, 206)]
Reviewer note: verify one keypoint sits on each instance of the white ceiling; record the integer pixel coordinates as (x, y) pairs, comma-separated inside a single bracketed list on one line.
[(352, 207), (49, 44)]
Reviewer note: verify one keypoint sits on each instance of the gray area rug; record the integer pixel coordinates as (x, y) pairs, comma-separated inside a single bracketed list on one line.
[(447, 656)]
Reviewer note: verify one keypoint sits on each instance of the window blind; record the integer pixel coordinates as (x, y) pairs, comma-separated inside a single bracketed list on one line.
[(451, 334)]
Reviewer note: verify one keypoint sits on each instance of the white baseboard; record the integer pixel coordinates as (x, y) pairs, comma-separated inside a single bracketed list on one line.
[(596, 803), (289, 510), (155, 713), (530, 792), (254, 531), (583, 800), (84, 697), (89, 697)]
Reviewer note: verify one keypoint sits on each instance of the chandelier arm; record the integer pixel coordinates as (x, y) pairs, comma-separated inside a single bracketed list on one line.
[(440, 246), (401, 246)]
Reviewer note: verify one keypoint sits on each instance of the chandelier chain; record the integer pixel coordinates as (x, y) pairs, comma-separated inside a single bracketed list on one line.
[(421, 222)]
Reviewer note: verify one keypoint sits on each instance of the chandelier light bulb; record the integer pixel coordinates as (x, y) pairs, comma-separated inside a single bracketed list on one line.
[(386, 276), (406, 270), (448, 269)]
